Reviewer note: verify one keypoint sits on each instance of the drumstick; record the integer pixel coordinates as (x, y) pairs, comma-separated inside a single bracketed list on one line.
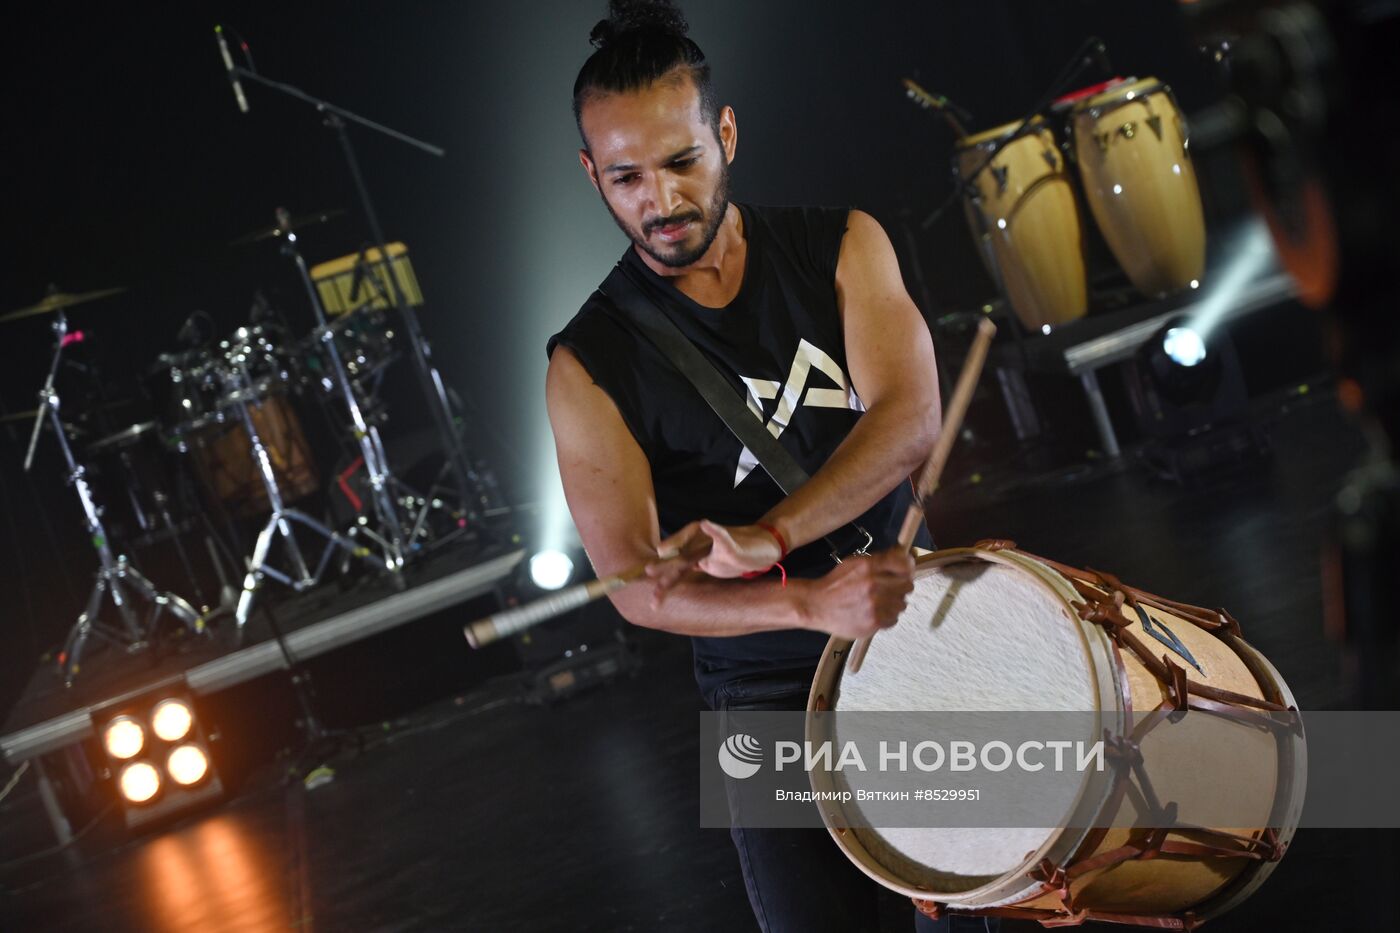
[(504, 624), (933, 468)]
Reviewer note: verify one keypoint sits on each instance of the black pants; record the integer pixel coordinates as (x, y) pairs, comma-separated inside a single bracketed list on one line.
[(798, 881)]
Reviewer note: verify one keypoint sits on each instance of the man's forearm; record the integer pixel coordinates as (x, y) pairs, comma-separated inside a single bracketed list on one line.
[(701, 605), (888, 443)]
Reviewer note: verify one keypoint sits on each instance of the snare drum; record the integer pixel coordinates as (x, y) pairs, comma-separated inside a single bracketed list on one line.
[(1130, 143), (990, 628), (1025, 219)]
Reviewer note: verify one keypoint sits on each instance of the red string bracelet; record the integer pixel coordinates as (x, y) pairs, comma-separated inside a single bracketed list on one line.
[(782, 546), (778, 535)]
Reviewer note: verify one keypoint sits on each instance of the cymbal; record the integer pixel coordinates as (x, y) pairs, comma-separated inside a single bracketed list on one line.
[(73, 429), (57, 301), (124, 437), (297, 222)]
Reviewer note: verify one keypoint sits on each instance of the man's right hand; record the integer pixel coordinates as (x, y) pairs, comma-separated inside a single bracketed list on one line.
[(861, 596)]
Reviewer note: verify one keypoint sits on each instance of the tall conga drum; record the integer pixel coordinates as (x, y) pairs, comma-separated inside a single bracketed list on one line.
[(1131, 145), (994, 629), (1024, 218)]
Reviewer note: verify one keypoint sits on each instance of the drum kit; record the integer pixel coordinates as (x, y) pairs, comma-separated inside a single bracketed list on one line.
[(1123, 148), (224, 416)]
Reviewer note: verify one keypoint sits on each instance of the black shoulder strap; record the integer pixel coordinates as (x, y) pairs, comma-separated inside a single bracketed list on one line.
[(634, 298)]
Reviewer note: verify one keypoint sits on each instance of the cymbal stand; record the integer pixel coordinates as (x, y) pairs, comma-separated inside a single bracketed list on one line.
[(389, 536), (416, 506), (116, 578), (241, 389)]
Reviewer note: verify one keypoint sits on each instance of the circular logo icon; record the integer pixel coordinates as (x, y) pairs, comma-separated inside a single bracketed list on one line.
[(740, 756)]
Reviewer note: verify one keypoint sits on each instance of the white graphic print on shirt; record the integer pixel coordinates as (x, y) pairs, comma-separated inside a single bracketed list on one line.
[(807, 358)]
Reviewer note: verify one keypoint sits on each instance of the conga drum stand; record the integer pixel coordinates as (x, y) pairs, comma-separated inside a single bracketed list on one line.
[(116, 578)]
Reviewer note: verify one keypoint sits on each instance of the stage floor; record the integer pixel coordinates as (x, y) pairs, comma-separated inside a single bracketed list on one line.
[(489, 814), (49, 716)]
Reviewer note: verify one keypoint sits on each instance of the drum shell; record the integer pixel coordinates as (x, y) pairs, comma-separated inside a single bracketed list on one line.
[(1025, 220), (225, 462), (1131, 147), (1163, 886)]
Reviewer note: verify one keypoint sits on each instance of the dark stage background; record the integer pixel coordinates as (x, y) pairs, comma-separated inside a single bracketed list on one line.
[(127, 163)]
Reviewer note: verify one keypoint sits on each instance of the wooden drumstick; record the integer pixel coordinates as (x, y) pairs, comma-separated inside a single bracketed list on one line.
[(504, 624), (938, 459)]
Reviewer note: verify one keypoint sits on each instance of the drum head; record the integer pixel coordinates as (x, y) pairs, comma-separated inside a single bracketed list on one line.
[(982, 632), (1121, 91), (1035, 125)]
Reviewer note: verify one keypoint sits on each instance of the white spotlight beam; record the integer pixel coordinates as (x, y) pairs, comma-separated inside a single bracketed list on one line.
[(1251, 255)]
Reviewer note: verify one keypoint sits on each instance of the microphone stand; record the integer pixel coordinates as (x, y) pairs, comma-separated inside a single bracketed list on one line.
[(430, 381), (1091, 53)]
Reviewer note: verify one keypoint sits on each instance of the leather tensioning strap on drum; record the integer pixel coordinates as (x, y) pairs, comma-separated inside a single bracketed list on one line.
[(634, 297)]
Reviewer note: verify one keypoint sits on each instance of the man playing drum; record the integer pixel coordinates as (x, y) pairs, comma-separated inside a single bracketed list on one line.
[(804, 312)]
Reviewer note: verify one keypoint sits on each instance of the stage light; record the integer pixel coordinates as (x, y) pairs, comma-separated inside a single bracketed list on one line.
[(1184, 367), (124, 738), (172, 720), (159, 758), (1183, 346), (139, 782), (1188, 392), (550, 569), (187, 764)]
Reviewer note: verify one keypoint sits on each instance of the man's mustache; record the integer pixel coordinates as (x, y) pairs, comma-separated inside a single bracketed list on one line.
[(674, 219)]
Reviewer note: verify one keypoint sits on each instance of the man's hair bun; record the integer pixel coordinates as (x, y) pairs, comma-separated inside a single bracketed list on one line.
[(627, 15), (642, 42)]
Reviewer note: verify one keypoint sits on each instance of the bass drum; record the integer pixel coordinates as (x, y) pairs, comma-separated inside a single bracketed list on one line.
[(1025, 221), (994, 629), (1130, 143)]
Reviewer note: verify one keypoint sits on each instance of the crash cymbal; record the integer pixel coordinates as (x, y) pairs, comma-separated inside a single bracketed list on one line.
[(57, 301), (297, 222)]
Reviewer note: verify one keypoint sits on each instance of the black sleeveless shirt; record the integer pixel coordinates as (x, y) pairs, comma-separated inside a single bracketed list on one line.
[(779, 342)]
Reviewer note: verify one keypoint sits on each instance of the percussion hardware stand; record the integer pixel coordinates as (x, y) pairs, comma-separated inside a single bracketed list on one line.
[(390, 534), (410, 499), (430, 380), (162, 503), (279, 522), (115, 575)]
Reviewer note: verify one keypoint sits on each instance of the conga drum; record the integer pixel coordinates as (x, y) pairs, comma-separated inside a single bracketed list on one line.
[(1025, 220), (1130, 143), (991, 628)]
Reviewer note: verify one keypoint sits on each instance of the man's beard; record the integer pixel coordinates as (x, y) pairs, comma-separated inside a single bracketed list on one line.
[(719, 205)]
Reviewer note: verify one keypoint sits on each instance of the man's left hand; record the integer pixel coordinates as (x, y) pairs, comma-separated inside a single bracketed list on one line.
[(734, 551)]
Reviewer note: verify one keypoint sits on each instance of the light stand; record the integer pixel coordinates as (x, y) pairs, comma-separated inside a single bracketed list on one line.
[(114, 575)]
